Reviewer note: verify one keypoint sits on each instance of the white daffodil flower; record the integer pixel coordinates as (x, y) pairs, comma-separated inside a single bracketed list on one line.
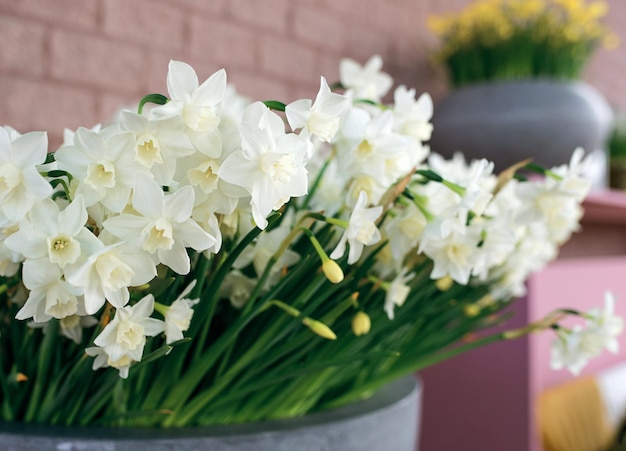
[(361, 230), (21, 185), (199, 106), (68, 134), (51, 296), (397, 292), (271, 164), (606, 324), (158, 144), (233, 106), (572, 349), (568, 351), (8, 267), (71, 326), (9, 259), (123, 339), (412, 117), (109, 271), (101, 360), (178, 315), (453, 255), (572, 176), (497, 244), (163, 224), (404, 230), (367, 81), (237, 288), (56, 235), (547, 203), (380, 152), (202, 172), (103, 167), (320, 118), (330, 191), (265, 247)]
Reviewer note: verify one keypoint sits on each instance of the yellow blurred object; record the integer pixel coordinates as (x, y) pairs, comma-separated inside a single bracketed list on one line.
[(519, 39), (572, 417)]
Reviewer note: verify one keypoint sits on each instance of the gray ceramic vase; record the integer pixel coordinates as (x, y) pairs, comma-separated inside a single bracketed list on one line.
[(510, 121), (387, 421)]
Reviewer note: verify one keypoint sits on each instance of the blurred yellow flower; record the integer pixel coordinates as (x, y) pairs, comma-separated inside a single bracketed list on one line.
[(500, 39)]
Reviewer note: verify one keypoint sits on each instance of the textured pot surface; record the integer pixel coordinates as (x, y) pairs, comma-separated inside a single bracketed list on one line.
[(387, 421), (510, 121)]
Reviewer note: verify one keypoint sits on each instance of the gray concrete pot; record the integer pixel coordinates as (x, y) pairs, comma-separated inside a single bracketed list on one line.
[(387, 421), (510, 121)]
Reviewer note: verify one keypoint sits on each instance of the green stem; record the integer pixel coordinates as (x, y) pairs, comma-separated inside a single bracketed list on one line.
[(46, 353), (414, 366), (212, 293)]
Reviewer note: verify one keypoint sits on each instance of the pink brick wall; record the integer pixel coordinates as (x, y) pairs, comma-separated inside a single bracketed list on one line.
[(67, 63)]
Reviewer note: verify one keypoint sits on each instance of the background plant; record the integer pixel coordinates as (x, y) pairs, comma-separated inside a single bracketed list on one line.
[(517, 39)]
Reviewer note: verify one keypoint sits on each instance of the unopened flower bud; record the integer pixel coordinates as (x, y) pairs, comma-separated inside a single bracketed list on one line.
[(444, 283), (332, 271), (361, 324), (319, 328), (472, 310), (21, 377)]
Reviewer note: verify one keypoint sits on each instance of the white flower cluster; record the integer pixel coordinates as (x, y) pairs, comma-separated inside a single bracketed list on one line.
[(573, 348), (121, 201)]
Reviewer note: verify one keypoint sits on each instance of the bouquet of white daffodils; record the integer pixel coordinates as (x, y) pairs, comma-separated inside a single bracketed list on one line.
[(206, 260)]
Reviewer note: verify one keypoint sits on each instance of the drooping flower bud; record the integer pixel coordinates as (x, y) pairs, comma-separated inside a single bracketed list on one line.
[(444, 284), (332, 271), (319, 328), (361, 324)]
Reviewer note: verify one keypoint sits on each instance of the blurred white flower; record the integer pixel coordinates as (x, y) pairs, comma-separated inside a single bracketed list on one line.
[(237, 288), (412, 117), (572, 176), (397, 292), (70, 327), (404, 230), (367, 81), (571, 350), (606, 324), (178, 315), (453, 255)]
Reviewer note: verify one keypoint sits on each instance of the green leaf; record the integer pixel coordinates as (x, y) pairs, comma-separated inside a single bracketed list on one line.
[(57, 173), (162, 351), (46, 353), (534, 167), (158, 99), (275, 105), (430, 175)]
